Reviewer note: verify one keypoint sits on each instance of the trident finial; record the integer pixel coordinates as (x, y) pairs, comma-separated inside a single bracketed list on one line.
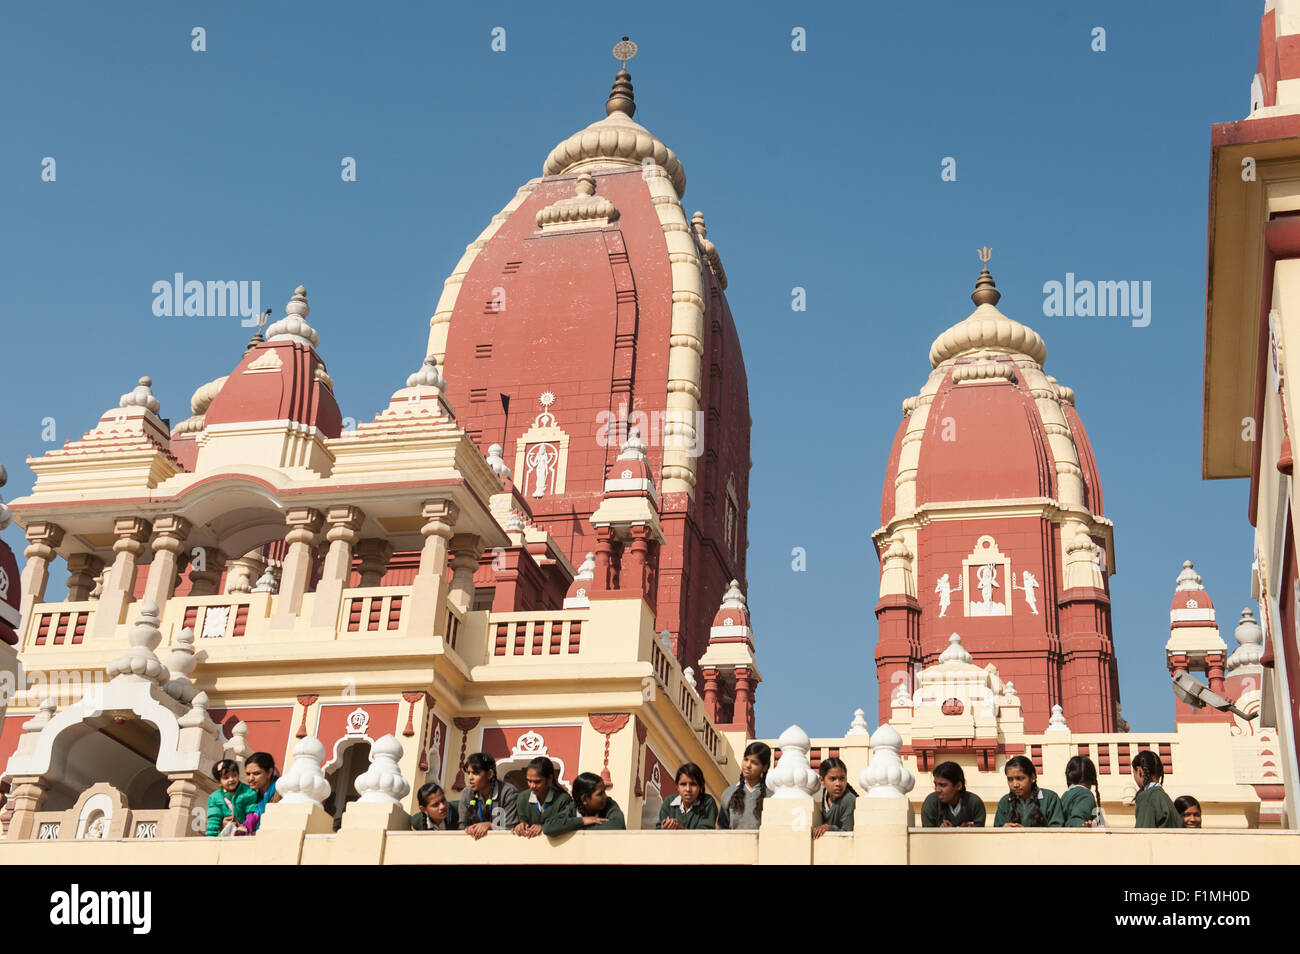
[(985, 254), (624, 50)]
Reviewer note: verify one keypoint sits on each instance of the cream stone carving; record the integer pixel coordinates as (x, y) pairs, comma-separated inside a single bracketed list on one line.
[(584, 209), (304, 780), (427, 376), (267, 583), (293, 326), (708, 249), (267, 361), (141, 396), (992, 578), (1057, 721), (1030, 585), (1250, 643), (497, 462), (886, 776), (542, 456), (945, 589), (859, 724), (181, 662), (383, 781), (200, 401), (140, 660), (792, 777)]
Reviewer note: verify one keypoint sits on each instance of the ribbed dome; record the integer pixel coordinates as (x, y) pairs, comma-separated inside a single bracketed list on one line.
[(987, 328), (615, 140)]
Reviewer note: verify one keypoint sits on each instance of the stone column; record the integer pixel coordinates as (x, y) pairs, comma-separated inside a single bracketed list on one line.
[(205, 570), (168, 545), (186, 792), (710, 695), (606, 577), (304, 523), (743, 710), (131, 533), (429, 589), (375, 554), (344, 522), (25, 800), (43, 538), (83, 571), (466, 548), (242, 573), (636, 560), (1214, 671)]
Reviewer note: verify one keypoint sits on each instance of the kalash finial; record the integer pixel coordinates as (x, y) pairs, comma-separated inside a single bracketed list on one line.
[(985, 293), (620, 96)]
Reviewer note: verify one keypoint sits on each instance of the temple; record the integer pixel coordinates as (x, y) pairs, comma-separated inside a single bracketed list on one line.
[(536, 548)]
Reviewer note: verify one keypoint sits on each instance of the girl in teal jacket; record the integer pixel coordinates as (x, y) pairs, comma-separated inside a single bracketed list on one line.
[(232, 800)]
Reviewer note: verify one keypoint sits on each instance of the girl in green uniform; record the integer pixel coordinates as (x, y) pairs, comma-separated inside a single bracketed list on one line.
[(1190, 809), (1153, 809), (595, 808), (1026, 805), (838, 798), (742, 803), (546, 808), (692, 806), (950, 805), (1081, 801)]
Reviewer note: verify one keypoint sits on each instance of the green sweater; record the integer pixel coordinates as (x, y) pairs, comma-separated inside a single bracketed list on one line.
[(838, 815), (1048, 804), (1078, 804), (703, 814), (1155, 810), (244, 800), (611, 812), (556, 817), (420, 821), (970, 809)]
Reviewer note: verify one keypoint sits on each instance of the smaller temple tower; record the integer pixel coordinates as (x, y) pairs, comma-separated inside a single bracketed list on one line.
[(1194, 644)]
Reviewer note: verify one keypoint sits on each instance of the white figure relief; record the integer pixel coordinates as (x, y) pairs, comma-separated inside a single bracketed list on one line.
[(945, 589), (540, 461), (1031, 584), (986, 580), (95, 830)]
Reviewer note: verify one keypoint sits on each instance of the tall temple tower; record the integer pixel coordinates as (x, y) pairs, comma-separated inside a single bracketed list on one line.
[(992, 527), (589, 306)]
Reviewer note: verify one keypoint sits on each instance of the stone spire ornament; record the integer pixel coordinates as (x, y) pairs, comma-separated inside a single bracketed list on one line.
[(497, 462), (1250, 642), (141, 396), (956, 652), (793, 777), (43, 716), (140, 660), (633, 448), (1057, 721), (886, 776), (181, 661), (293, 326), (427, 376), (238, 748), (383, 781), (304, 780), (198, 716), (859, 724), (267, 583), (1188, 578), (587, 571)]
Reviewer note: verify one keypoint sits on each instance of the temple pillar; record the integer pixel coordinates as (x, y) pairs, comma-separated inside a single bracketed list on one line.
[(242, 572), (344, 522), (43, 539), (466, 548), (710, 695), (295, 574), (205, 570), (83, 571), (374, 554), (131, 532), (168, 545), (743, 711), (607, 569), (25, 800), (429, 588), (186, 791), (1214, 663)]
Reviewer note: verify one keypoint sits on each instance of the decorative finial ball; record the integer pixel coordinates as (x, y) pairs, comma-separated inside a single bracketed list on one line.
[(146, 381), (624, 50)]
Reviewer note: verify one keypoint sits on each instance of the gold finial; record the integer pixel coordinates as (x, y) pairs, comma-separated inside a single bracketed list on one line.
[(624, 50), (986, 293), (620, 97)]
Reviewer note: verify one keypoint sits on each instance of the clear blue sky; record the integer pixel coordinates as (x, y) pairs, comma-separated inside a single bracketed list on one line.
[(817, 169)]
